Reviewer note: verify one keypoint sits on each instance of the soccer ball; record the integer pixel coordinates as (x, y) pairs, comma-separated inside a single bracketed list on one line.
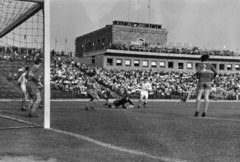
[(130, 107)]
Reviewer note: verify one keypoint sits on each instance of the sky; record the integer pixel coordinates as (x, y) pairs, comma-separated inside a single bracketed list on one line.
[(208, 24)]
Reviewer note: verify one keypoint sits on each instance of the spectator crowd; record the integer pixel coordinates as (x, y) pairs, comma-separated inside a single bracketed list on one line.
[(145, 47), (70, 76), (12, 53)]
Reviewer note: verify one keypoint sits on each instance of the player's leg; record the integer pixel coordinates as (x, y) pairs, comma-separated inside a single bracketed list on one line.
[(199, 96), (36, 102), (95, 101), (140, 99), (23, 88), (42, 97), (112, 106), (89, 104), (206, 101), (31, 100), (188, 95), (145, 100), (90, 95), (107, 100)]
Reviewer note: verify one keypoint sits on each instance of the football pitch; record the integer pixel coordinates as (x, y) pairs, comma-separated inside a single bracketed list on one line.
[(164, 131)]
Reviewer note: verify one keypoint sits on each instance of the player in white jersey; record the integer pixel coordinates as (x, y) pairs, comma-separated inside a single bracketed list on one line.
[(145, 88), (22, 83)]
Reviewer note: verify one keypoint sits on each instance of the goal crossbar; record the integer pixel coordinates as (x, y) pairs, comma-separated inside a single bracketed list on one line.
[(35, 1)]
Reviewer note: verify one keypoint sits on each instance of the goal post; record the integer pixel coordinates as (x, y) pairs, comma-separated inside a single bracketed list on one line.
[(47, 92), (24, 37)]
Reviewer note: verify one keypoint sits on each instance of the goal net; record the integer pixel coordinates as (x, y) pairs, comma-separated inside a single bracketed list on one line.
[(21, 42)]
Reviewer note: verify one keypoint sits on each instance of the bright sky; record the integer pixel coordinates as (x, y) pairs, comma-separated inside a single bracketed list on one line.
[(203, 23)]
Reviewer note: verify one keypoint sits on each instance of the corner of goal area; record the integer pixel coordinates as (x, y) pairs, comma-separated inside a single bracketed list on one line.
[(8, 123)]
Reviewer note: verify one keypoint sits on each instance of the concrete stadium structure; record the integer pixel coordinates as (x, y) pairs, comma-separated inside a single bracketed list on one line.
[(93, 49)]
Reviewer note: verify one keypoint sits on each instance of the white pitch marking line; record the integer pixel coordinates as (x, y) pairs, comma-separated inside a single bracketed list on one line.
[(116, 147), (219, 119), (19, 120)]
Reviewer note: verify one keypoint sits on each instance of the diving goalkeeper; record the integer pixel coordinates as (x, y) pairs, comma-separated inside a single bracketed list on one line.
[(122, 102)]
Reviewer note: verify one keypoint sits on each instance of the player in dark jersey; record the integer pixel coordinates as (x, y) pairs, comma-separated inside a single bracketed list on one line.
[(91, 91), (32, 85), (205, 73), (122, 102)]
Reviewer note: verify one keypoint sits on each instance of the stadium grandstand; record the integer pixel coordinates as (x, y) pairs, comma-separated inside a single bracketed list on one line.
[(132, 45), (121, 64)]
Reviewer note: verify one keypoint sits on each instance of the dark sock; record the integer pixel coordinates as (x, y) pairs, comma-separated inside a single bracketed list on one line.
[(196, 113)]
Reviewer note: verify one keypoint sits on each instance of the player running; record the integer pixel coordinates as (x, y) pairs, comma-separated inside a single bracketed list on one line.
[(145, 88), (92, 91), (122, 102), (205, 73)]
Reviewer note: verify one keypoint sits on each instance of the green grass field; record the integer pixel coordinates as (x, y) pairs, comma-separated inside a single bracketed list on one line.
[(164, 131)]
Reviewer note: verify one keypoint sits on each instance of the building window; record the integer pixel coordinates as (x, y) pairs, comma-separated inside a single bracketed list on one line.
[(170, 65), (180, 65), (189, 65), (93, 59), (153, 64), (98, 42), (109, 61), (162, 64), (236, 67), (215, 66), (221, 67), (229, 67), (145, 63), (127, 62), (136, 63), (119, 62)]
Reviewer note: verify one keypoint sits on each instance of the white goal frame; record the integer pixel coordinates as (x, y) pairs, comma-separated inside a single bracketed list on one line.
[(47, 62)]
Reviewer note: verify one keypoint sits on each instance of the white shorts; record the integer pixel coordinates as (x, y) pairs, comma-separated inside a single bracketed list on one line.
[(144, 94), (24, 90)]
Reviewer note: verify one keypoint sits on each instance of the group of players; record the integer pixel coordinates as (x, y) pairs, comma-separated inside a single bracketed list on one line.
[(30, 83), (92, 93), (205, 74), (31, 86)]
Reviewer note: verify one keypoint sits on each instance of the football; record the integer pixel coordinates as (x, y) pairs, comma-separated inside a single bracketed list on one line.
[(130, 107)]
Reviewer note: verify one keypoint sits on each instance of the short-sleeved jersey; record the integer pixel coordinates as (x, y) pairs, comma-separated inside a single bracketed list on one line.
[(22, 79), (205, 72), (33, 74), (146, 86), (89, 83)]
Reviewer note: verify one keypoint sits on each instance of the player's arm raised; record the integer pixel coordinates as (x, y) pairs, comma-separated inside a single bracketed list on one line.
[(215, 73)]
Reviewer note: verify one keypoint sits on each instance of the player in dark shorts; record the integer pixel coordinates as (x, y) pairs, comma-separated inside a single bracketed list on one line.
[(91, 91), (205, 73), (122, 102)]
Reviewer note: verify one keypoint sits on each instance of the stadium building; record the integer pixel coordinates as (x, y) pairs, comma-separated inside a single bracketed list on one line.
[(133, 45)]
